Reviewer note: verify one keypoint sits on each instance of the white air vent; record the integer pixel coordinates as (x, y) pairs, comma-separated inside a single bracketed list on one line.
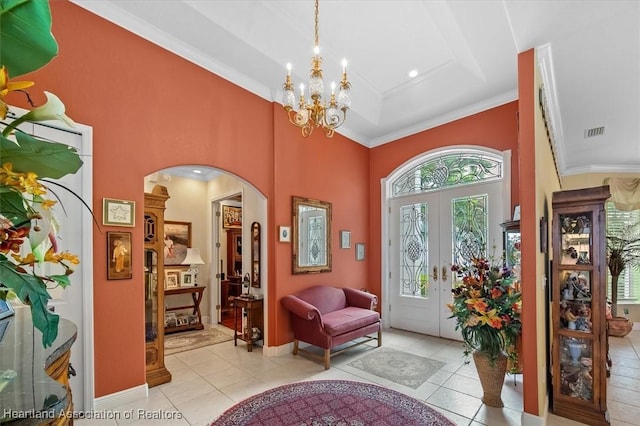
[(593, 132)]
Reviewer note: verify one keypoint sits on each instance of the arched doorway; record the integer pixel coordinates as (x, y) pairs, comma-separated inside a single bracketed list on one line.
[(196, 199), (439, 208)]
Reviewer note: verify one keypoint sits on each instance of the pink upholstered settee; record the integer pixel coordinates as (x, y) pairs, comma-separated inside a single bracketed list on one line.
[(328, 317)]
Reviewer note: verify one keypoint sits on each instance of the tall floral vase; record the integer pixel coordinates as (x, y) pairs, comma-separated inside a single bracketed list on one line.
[(491, 377)]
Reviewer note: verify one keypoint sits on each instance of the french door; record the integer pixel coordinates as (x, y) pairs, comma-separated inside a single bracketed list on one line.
[(428, 233)]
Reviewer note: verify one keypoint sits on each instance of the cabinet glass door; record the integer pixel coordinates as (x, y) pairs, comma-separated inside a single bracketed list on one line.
[(575, 306), (150, 295)]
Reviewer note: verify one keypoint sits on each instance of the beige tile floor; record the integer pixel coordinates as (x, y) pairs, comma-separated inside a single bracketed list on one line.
[(209, 380)]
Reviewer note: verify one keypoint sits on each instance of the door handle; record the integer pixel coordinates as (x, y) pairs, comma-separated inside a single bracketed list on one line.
[(435, 273), (444, 273)]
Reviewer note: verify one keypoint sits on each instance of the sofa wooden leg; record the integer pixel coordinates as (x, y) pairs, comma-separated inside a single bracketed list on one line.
[(380, 337), (327, 359), (295, 347)]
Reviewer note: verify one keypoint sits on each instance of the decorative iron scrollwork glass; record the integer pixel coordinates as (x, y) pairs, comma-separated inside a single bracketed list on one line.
[(414, 256), (470, 228), (454, 169)]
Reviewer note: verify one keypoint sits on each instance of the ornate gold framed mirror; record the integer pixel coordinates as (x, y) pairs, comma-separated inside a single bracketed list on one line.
[(311, 236), (255, 255)]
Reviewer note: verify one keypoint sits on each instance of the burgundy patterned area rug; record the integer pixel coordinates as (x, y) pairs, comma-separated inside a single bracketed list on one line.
[(331, 403)]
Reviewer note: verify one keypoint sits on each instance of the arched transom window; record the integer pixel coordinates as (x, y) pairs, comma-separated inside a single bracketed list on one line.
[(453, 169)]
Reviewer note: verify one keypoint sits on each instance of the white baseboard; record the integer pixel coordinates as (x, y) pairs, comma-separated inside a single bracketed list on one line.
[(118, 399), (527, 419), (273, 351)]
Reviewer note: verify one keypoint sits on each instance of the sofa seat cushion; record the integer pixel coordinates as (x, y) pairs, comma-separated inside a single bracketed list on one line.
[(348, 319)]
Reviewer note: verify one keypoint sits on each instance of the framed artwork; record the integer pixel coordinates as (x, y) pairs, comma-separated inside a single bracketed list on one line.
[(177, 238), (187, 279), (171, 279), (4, 324), (231, 217), (359, 251), (5, 309), (544, 233), (118, 212), (345, 239), (119, 255), (516, 212), (285, 234)]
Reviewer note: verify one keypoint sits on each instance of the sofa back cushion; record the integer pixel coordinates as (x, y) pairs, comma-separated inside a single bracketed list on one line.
[(324, 298)]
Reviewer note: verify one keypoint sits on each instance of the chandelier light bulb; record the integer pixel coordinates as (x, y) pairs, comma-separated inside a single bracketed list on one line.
[(301, 89), (333, 88), (344, 66), (288, 69), (316, 50)]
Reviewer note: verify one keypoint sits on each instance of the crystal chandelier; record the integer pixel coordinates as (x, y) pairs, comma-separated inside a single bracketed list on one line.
[(315, 113)]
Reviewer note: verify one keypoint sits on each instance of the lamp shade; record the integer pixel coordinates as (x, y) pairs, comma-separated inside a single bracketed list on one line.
[(193, 257)]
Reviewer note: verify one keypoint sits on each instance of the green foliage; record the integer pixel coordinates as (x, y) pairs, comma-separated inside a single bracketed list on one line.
[(25, 36), (46, 159), (27, 44)]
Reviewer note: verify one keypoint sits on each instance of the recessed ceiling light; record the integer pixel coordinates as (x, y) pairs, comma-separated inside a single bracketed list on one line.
[(197, 171), (413, 73)]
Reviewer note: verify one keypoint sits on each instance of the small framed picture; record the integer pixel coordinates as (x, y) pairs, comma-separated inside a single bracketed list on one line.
[(5, 309), (285, 234), (118, 212), (171, 279), (516, 212), (177, 238), (170, 319), (187, 279), (345, 239), (119, 255), (231, 217), (359, 251)]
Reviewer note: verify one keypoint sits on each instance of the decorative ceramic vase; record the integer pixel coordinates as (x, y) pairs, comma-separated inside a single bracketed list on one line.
[(575, 349), (491, 377)]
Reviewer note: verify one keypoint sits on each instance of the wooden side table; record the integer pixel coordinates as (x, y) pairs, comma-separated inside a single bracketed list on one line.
[(196, 296), (254, 310)]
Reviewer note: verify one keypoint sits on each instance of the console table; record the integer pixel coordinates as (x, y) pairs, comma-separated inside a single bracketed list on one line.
[(254, 314), (196, 296), (34, 380)]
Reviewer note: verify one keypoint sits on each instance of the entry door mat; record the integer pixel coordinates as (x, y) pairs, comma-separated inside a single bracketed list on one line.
[(399, 367)]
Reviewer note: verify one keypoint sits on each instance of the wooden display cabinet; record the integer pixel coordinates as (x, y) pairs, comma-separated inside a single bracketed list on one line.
[(579, 296), (154, 206)]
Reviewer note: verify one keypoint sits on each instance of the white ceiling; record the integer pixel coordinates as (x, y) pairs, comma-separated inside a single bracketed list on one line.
[(465, 53)]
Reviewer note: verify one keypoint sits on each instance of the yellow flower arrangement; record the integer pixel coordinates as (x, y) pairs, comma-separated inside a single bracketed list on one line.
[(28, 169), (486, 307)]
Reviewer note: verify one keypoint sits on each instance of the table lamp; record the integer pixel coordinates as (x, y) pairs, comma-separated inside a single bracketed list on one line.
[(192, 259)]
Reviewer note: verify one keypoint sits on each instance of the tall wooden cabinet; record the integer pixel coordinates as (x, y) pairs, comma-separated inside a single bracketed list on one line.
[(579, 295), (154, 206)]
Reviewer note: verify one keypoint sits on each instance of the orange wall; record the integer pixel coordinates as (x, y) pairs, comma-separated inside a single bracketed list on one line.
[(150, 110), (495, 128)]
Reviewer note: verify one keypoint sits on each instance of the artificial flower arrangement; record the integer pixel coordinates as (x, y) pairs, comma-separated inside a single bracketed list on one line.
[(487, 308), (28, 167)]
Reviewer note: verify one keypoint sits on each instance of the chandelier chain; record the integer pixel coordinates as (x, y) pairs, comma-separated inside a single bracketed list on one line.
[(316, 32)]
